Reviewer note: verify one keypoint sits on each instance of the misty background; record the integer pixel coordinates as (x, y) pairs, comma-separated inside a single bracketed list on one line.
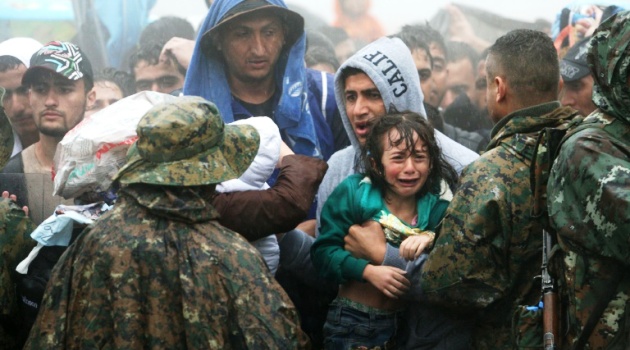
[(108, 29)]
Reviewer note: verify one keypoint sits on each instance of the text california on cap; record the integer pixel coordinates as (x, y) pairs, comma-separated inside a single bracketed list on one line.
[(63, 58), (293, 21), (6, 134), (573, 65), (186, 143)]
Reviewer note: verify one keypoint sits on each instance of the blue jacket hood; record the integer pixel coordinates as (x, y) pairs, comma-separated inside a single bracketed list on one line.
[(206, 77)]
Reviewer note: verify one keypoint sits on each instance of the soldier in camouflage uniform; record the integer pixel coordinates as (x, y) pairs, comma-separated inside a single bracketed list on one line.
[(15, 242), (488, 251), (159, 271), (589, 198)]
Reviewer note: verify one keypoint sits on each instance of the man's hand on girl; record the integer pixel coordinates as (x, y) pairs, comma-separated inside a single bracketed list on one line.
[(391, 281)]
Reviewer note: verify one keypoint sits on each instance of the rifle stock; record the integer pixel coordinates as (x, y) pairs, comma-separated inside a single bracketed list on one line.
[(550, 320)]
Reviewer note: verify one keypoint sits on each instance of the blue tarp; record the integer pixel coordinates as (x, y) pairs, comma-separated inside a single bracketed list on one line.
[(124, 20)]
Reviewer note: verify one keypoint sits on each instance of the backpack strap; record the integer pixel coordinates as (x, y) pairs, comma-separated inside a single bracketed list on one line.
[(548, 141)]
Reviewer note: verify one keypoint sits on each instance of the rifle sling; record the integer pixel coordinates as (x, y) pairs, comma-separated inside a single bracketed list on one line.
[(590, 324)]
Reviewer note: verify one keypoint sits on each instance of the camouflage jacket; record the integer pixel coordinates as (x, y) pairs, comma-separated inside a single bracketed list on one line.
[(589, 197), (488, 251), (159, 272), (589, 206), (15, 244)]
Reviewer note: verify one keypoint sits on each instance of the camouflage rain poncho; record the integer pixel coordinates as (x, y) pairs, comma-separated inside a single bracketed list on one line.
[(589, 197), (159, 272)]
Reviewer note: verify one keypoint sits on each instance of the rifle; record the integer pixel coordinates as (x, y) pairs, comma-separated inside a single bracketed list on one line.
[(545, 151), (550, 297)]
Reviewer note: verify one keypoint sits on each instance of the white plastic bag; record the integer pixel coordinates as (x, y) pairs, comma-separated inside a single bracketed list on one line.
[(91, 153)]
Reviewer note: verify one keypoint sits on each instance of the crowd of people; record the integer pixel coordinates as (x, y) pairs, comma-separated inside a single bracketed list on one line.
[(335, 188)]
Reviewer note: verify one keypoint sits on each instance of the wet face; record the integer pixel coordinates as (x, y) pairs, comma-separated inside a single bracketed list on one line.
[(106, 93), (251, 47), (406, 171), (16, 103), (58, 103), (422, 61), (461, 80), (578, 95), (439, 72), (162, 77), (363, 103)]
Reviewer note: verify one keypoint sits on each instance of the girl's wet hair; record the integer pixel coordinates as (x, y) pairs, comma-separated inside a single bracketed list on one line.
[(407, 124)]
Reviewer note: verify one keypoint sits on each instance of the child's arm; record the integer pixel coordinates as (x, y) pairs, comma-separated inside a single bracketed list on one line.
[(413, 246), (389, 280), (327, 253)]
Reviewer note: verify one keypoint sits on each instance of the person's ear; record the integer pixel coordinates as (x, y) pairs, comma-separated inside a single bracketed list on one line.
[(373, 163), (90, 99), (501, 88)]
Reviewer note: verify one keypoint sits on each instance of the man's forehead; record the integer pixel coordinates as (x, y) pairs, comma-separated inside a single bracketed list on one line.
[(20, 68), (259, 18), (46, 76), (421, 58), (12, 78), (359, 82), (584, 82), (161, 66), (437, 51)]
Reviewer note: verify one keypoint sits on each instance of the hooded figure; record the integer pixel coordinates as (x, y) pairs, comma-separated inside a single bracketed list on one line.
[(21, 48), (589, 199), (302, 105), (159, 271), (388, 63)]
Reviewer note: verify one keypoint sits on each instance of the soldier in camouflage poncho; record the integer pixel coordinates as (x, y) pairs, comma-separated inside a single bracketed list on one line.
[(488, 251), (589, 198), (159, 271), (15, 242)]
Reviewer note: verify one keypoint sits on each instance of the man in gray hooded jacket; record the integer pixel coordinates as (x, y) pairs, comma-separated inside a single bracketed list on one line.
[(381, 78), (392, 85)]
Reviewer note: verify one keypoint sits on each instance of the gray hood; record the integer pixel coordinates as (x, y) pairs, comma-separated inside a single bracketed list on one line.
[(388, 62)]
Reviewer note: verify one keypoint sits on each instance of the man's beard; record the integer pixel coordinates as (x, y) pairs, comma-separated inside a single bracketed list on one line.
[(60, 131), (56, 132)]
